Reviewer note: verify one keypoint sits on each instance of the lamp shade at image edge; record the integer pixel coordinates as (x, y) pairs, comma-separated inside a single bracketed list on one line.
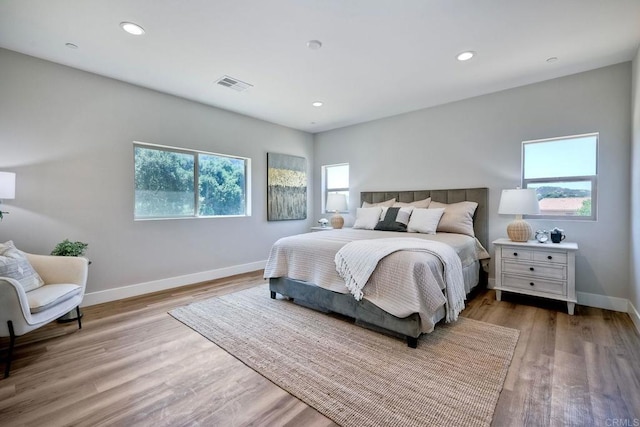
[(7, 185)]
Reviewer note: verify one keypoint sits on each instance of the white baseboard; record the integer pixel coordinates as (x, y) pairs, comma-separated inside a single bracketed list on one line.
[(99, 297), (635, 316), (603, 301), (92, 298)]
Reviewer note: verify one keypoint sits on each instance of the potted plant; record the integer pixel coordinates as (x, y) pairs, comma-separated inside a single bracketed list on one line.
[(68, 248)]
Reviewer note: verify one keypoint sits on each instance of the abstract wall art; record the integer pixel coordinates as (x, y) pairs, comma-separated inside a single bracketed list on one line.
[(286, 187)]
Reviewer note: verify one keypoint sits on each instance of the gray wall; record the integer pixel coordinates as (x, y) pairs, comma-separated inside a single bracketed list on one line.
[(477, 142), (68, 135), (634, 296)]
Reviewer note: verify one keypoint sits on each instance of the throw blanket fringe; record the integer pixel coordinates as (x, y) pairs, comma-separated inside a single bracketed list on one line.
[(357, 260)]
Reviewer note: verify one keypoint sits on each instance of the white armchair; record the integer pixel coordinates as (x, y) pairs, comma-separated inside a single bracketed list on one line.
[(65, 279)]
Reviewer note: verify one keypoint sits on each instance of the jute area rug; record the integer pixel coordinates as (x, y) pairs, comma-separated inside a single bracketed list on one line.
[(355, 376)]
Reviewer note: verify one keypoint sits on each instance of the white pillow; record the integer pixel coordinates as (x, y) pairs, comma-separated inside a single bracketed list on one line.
[(425, 220), (367, 218)]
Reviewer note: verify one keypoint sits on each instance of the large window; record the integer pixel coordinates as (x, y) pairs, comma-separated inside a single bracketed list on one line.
[(564, 173), (177, 183), (335, 179)]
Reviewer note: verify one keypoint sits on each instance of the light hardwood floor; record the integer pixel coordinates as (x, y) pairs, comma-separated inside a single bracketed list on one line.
[(133, 364)]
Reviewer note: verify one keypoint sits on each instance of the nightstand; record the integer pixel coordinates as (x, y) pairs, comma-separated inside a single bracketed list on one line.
[(321, 228), (540, 269)]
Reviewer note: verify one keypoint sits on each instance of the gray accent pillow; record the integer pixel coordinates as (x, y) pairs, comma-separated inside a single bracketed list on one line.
[(394, 219), (14, 265)]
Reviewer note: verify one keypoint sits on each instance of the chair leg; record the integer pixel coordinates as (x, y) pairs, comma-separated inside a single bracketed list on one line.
[(79, 316), (12, 341)]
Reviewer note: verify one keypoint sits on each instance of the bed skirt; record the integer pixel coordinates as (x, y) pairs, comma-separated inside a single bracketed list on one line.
[(364, 312)]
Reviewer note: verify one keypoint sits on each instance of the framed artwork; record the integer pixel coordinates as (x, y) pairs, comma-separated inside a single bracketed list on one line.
[(286, 187)]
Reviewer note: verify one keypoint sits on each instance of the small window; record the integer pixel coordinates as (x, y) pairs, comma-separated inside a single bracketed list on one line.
[(177, 183), (563, 172), (335, 179)]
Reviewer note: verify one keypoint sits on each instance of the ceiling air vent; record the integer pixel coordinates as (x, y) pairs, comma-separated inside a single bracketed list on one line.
[(234, 84)]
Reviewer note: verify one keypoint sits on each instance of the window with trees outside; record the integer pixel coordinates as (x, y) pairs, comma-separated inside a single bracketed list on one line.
[(335, 179), (178, 183), (563, 172)]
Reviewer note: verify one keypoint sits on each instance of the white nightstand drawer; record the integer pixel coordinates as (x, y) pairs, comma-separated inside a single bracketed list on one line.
[(517, 253), (550, 256), (549, 271), (533, 284)]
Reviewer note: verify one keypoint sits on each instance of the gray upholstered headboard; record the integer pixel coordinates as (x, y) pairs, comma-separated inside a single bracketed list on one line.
[(478, 195)]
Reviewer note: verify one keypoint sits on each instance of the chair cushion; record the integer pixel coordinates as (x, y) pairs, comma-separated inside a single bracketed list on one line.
[(15, 265), (47, 296)]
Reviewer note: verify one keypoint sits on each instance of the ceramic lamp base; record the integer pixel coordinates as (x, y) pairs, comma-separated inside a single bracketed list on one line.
[(519, 231), (337, 221)]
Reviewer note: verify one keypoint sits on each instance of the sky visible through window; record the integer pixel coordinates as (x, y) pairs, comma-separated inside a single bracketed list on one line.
[(561, 158), (338, 176)]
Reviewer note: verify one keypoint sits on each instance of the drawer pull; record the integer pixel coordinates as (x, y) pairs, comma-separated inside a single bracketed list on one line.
[(549, 257), (531, 268), (532, 284), (515, 254)]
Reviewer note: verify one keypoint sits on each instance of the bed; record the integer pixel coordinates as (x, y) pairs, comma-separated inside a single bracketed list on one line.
[(302, 268)]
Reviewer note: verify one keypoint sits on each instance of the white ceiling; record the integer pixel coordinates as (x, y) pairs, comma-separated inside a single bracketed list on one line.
[(379, 57)]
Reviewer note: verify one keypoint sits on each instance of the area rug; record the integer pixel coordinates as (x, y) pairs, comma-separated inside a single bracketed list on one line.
[(355, 376)]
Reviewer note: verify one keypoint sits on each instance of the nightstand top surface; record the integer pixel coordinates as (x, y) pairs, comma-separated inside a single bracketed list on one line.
[(569, 246)]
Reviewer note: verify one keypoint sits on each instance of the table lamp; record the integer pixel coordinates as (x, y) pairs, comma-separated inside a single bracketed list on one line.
[(519, 202), (337, 203), (7, 188)]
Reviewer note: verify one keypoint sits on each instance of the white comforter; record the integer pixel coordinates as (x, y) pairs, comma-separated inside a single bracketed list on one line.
[(399, 282)]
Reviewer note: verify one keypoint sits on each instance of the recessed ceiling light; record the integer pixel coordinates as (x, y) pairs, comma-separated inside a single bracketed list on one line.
[(317, 104), (71, 45), (465, 56), (552, 59), (132, 28), (314, 44)]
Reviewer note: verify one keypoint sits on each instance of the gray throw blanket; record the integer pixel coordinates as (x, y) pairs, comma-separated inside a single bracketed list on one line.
[(356, 261)]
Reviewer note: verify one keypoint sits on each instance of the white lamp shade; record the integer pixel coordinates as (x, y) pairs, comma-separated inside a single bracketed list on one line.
[(7, 185), (337, 203), (519, 202)]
